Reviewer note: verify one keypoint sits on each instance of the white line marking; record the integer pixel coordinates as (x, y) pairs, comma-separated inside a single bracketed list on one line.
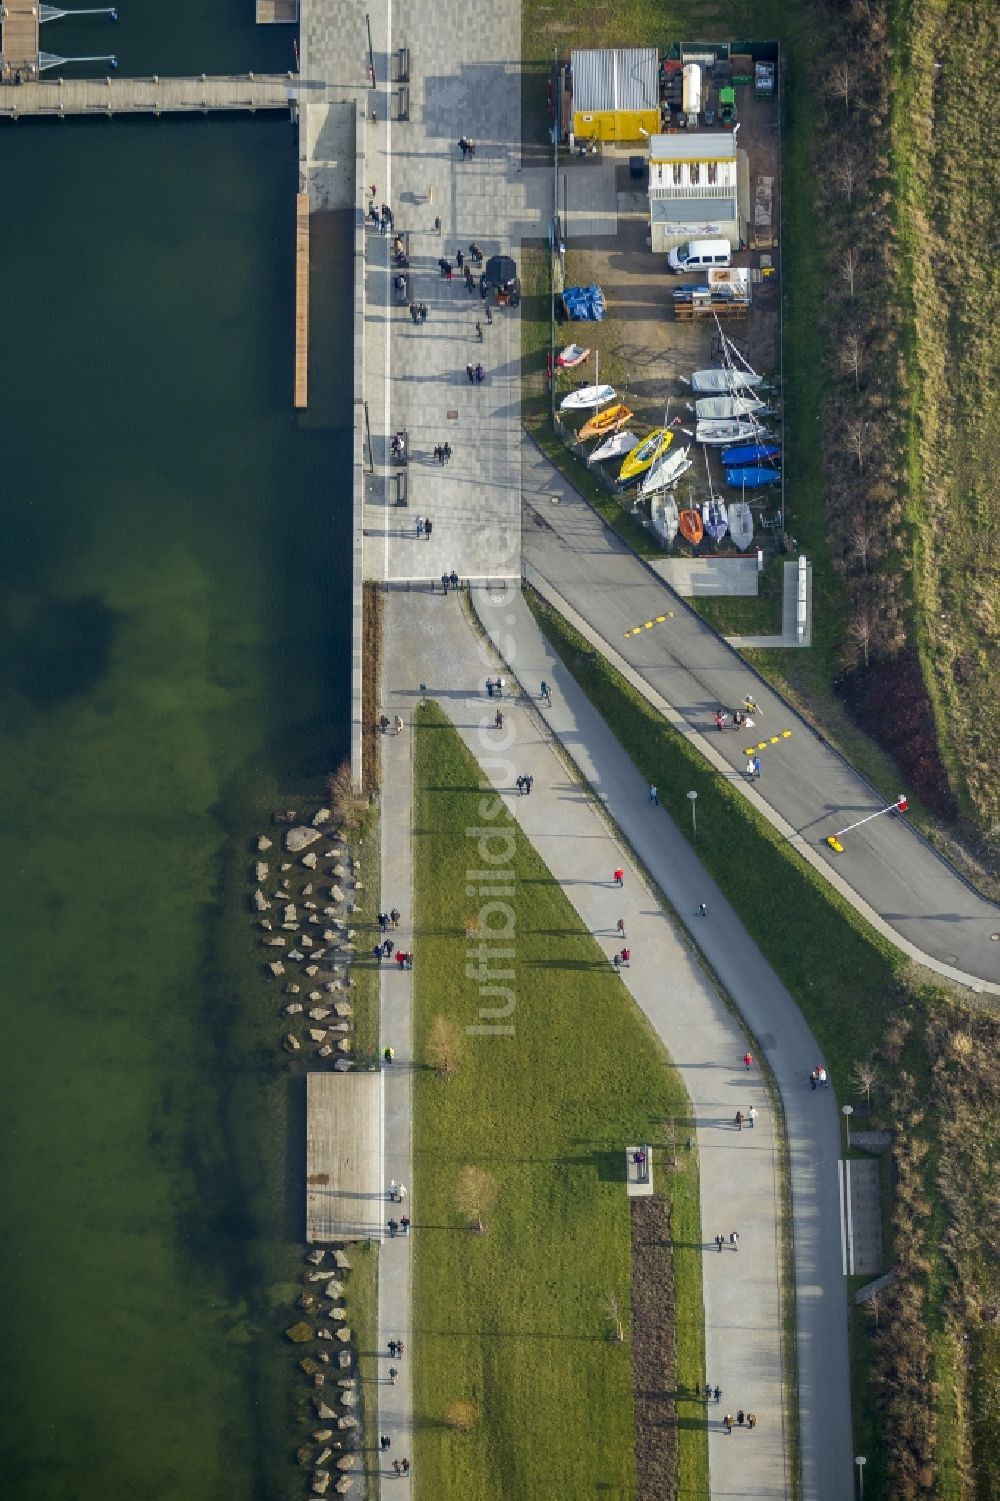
[(850, 1217), (843, 1231)]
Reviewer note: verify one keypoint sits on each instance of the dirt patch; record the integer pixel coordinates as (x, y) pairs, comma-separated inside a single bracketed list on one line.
[(653, 1350)]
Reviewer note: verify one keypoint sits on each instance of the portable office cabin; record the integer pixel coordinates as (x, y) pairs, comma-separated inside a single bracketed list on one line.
[(699, 187), (616, 94)]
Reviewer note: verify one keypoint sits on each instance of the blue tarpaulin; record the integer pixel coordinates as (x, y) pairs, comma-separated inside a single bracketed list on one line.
[(584, 304)]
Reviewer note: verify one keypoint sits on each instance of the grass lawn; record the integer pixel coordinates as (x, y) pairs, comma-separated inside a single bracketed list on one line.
[(515, 1322)]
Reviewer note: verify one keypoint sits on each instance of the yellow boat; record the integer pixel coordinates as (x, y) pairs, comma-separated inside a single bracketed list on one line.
[(608, 421), (646, 454)]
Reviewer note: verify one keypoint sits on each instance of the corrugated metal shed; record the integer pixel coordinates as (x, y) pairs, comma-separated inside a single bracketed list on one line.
[(627, 78), (693, 146)]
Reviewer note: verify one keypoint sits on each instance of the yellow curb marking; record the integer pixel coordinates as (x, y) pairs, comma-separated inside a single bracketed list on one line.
[(647, 625)]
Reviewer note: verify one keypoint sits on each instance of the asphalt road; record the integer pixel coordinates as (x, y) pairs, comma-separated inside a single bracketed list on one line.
[(900, 877)]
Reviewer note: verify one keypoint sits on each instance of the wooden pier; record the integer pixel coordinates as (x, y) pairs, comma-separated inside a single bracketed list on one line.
[(301, 299), (345, 1194), (19, 45), (277, 12), (57, 98)]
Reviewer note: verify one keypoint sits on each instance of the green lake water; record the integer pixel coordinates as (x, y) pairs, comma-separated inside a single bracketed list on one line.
[(174, 662)]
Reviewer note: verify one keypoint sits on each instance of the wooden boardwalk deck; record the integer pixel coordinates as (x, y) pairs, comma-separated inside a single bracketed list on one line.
[(301, 299), (277, 12), (345, 1194), (58, 97), (19, 31)]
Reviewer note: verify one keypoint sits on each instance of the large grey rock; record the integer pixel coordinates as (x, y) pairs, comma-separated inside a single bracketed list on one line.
[(277, 968), (322, 1435), (347, 1421), (263, 843), (321, 817), (324, 1051), (290, 914), (316, 1256), (322, 1411), (261, 871), (293, 1008), (310, 861), (348, 1399), (342, 1065), (336, 895), (344, 1485), (341, 1261), (344, 1335), (260, 902), (292, 1042), (321, 1482), (277, 942), (292, 989), (295, 954), (334, 1289), (299, 839), (344, 1360)]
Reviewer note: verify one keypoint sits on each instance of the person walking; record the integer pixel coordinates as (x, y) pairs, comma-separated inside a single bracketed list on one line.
[(398, 725), (383, 917), (428, 527), (404, 1223), (387, 948), (627, 958), (401, 1192), (546, 692), (498, 720), (377, 954), (420, 526), (470, 372), (394, 917), (756, 767), (739, 1120), (616, 960), (751, 1420), (748, 1061), (393, 1227), (529, 782), (392, 1348), (719, 1243), (708, 1391), (393, 1373), (654, 796), (740, 1415), (619, 877), (727, 1422), (752, 1115), (437, 226), (388, 1054), (396, 1465), (405, 1464), (620, 928), (479, 331), (459, 258), (489, 314), (718, 1394), (391, 1190), (702, 910), (734, 1239), (384, 1442)]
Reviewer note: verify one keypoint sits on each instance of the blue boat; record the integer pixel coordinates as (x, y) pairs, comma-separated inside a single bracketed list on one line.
[(751, 479), (750, 453)]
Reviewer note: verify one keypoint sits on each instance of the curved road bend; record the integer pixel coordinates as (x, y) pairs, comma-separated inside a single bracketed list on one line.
[(917, 894)]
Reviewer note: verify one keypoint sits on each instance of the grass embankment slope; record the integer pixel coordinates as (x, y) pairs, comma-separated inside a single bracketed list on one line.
[(948, 186), (926, 1358), (518, 1389)]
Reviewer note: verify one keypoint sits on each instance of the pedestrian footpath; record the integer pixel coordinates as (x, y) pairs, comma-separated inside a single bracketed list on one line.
[(428, 640)]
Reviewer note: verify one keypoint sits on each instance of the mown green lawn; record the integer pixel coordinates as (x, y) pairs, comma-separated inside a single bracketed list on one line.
[(515, 1321)]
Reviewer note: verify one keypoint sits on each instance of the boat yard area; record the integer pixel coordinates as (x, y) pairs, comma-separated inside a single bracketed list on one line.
[(650, 342)]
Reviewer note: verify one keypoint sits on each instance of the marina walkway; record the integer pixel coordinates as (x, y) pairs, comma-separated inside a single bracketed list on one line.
[(55, 98), (428, 639)]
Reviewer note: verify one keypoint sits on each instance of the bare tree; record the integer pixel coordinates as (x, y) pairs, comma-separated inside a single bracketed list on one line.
[(856, 433), (865, 541), (845, 173), (475, 1195), (443, 1050), (615, 1315), (348, 806), (850, 267), (852, 356), (861, 630), (865, 1076), (840, 81)]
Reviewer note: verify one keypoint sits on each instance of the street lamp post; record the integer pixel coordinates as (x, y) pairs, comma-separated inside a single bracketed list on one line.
[(694, 817), (861, 1461), (847, 1111)]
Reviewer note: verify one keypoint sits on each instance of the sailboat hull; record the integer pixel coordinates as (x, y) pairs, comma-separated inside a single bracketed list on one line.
[(646, 454), (608, 421), (741, 524), (666, 471), (587, 396), (614, 447), (726, 408), (714, 520), (717, 434), (724, 382), (691, 527), (754, 478), (750, 453)]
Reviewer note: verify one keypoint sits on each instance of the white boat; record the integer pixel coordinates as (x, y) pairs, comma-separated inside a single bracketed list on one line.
[(725, 381), (714, 518), (666, 471), (741, 524), (614, 447), (664, 517), (724, 408), (587, 396), (720, 433)]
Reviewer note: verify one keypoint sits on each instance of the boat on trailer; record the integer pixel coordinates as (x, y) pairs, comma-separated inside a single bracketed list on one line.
[(714, 519), (614, 447), (691, 527), (741, 524), (718, 434), (645, 455), (666, 471), (724, 380), (754, 477), (608, 421), (750, 453), (571, 356), (727, 408), (664, 516), (587, 396)]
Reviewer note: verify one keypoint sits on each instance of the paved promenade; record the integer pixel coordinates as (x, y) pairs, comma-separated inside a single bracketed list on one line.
[(429, 640), (912, 895)]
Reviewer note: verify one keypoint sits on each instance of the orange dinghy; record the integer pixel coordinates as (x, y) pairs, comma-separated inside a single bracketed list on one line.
[(691, 527), (607, 421)]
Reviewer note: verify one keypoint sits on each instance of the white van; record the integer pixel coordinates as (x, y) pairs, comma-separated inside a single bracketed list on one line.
[(698, 255)]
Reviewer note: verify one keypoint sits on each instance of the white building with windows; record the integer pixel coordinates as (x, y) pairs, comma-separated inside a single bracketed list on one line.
[(699, 188)]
